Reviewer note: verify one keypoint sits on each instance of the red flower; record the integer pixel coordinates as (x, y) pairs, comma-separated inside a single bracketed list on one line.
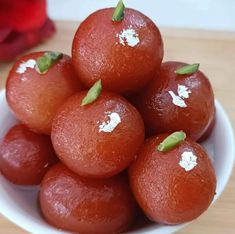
[(23, 24)]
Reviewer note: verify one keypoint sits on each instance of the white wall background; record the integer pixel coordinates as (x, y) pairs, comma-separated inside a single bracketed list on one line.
[(202, 14)]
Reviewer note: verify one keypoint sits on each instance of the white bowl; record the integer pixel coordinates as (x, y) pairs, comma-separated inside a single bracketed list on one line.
[(19, 204)]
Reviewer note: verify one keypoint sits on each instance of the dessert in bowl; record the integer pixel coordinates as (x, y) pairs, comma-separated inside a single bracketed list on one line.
[(107, 169), (20, 204)]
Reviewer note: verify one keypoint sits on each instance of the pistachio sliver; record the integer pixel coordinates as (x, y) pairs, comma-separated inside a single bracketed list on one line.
[(118, 13), (171, 141), (48, 59), (188, 69), (93, 93)]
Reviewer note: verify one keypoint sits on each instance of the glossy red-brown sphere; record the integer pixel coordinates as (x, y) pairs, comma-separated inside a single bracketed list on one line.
[(25, 156), (100, 139), (168, 191), (69, 201), (162, 113), (34, 98), (124, 65)]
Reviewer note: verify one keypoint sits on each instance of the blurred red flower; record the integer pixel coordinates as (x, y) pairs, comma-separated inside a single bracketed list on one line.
[(23, 24)]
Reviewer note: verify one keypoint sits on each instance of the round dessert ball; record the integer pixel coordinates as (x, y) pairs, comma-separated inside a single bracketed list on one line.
[(175, 186), (173, 102), (34, 97), (124, 55), (25, 156), (100, 139), (71, 202)]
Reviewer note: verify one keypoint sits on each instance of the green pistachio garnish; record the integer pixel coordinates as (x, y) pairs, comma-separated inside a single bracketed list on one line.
[(171, 141), (188, 69), (44, 62), (92, 94), (118, 13)]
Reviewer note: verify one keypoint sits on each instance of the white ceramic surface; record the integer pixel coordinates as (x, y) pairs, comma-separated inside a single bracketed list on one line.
[(20, 204)]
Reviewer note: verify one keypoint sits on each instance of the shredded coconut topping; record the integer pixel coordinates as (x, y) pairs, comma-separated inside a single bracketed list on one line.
[(111, 124), (183, 93), (31, 63), (128, 37), (188, 160)]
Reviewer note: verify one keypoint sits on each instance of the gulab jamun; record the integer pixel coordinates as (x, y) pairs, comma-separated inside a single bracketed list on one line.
[(35, 96), (175, 186), (100, 139), (124, 54), (71, 202), (25, 156), (173, 102)]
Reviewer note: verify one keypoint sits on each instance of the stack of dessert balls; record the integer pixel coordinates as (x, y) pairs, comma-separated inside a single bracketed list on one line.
[(111, 131)]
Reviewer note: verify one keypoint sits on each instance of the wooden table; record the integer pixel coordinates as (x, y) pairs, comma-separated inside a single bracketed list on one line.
[(216, 53)]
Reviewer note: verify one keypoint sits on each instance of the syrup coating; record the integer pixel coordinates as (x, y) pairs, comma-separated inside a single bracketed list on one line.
[(124, 55), (174, 102), (34, 98), (84, 205), (25, 156), (175, 186), (100, 139)]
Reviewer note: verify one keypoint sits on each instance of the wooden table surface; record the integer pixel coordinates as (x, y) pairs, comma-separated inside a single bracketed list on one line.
[(216, 53)]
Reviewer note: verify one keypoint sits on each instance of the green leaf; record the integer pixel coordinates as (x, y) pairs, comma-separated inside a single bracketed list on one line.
[(171, 141), (188, 69), (118, 13), (93, 93), (44, 62)]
